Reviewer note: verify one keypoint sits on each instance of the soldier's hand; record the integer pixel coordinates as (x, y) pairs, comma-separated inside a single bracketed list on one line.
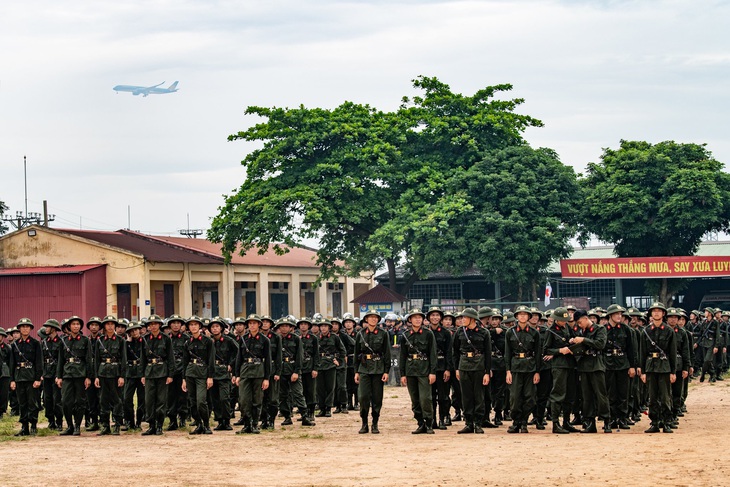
[(209, 383), (643, 378), (336, 362), (485, 380), (458, 375), (96, 383), (59, 382), (714, 350), (294, 377), (12, 385), (536, 378), (143, 381), (431, 378), (638, 371), (498, 331), (184, 386), (508, 378), (565, 351), (632, 372), (87, 383), (695, 345), (36, 384), (577, 340), (120, 382), (384, 378), (692, 370), (314, 374), (168, 380), (403, 382), (672, 378), (264, 385), (357, 378), (685, 374), (276, 378), (447, 375)]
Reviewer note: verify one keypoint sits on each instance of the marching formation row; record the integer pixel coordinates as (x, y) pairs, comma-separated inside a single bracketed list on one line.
[(573, 367)]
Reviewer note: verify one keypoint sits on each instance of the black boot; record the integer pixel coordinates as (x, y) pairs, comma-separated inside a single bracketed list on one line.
[(498, 418), (104, 430), (197, 431), (523, 428), (653, 428), (374, 430), (33, 429), (115, 429), (607, 427), (151, 430), (94, 425), (67, 432), (77, 425), (59, 425), (441, 424), (125, 426), (539, 424), (24, 431), (337, 410), (447, 420), (457, 416), (255, 421), (343, 409), (467, 429), (567, 426), (667, 428), (52, 424), (590, 427), (478, 429), (514, 427), (577, 420), (421, 428), (559, 430), (287, 421), (429, 429), (623, 424), (221, 426), (206, 428), (241, 421), (173, 425), (364, 428)]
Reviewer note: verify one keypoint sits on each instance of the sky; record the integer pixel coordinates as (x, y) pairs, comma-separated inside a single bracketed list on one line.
[(594, 72)]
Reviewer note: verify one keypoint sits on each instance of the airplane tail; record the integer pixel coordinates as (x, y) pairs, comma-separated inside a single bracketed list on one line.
[(173, 86)]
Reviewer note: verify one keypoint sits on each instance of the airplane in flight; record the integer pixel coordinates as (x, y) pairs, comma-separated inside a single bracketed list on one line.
[(147, 90)]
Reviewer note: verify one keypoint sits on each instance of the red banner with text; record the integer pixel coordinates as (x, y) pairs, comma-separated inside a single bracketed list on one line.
[(643, 267)]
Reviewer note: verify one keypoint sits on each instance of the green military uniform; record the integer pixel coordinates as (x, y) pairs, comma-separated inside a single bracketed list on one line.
[(472, 352), (26, 369), (310, 364), (199, 367), (372, 356), (75, 367), (709, 339), (497, 384), (620, 357), (562, 393), (270, 406), (51, 392), (133, 382), (592, 370), (291, 392), (444, 359), (658, 363), (226, 350), (110, 361), (418, 361), (177, 399), (253, 366), (4, 373), (158, 363), (683, 343), (92, 393), (523, 359), (331, 349)]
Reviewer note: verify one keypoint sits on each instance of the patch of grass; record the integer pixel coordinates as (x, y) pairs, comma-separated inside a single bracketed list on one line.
[(302, 436), (394, 397)]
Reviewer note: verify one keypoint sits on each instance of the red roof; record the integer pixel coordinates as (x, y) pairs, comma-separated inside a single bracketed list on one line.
[(152, 249), (63, 269), (379, 294), (296, 257)]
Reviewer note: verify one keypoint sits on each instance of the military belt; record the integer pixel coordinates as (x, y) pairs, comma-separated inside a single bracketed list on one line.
[(288, 359), (655, 355), (24, 365), (496, 353), (219, 363), (471, 354), (440, 357), (252, 360), (73, 360), (197, 361), (50, 361), (592, 353), (523, 355), (109, 361), (372, 356), (156, 361), (614, 352), (417, 356), (132, 363)]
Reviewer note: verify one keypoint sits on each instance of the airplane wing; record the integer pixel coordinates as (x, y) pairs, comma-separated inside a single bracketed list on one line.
[(137, 90)]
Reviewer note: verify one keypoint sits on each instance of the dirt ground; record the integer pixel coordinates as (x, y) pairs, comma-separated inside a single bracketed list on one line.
[(332, 453)]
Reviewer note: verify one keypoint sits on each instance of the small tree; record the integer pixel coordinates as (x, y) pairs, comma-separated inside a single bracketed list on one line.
[(3, 209), (656, 200)]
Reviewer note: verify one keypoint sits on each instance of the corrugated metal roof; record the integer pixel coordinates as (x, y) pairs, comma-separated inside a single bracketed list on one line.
[(151, 248), (296, 257), (64, 269), (379, 294)]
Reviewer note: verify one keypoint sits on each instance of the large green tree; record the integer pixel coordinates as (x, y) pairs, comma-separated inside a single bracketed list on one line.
[(654, 200), (3, 209), (350, 177)]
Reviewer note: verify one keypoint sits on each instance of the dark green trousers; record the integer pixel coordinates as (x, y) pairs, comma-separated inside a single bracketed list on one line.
[(370, 395), (617, 385), (155, 401), (326, 380), (291, 395), (660, 397), (28, 403), (271, 399), (110, 402), (220, 395), (309, 389), (133, 386), (250, 397), (420, 391), (523, 396), (177, 400), (472, 395), (595, 396), (341, 387), (73, 398), (562, 394), (198, 394)]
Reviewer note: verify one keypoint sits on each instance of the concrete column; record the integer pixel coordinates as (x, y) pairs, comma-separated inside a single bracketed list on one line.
[(262, 294), (349, 295), (185, 293), (295, 294), (226, 293), (144, 293), (321, 299)]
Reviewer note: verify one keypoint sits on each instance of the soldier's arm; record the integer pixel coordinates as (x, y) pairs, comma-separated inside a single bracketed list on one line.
[(538, 351), (342, 351), (488, 352), (599, 342), (91, 364), (672, 352), (432, 354), (186, 355), (315, 353), (267, 359), (123, 353), (386, 354), (450, 349), (402, 358), (170, 356), (299, 355), (38, 362), (60, 361), (630, 351), (507, 352), (552, 346), (279, 356), (455, 351), (239, 359), (210, 351)]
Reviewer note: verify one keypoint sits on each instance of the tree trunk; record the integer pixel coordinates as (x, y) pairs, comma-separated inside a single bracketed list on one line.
[(519, 292), (533, 284), (409, 282), (391, 274), (665, 293)]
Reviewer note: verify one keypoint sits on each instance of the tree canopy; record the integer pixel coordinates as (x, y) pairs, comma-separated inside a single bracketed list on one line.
[(356, 178), (3, 209), (656, 200)]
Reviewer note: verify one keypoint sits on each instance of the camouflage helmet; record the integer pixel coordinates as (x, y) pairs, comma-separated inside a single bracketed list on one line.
[(434, 309), (522, 309), (673, 312), (508, 318), (369, 312), (53, 324), (485, 312), (658, 305), (561, 315), (470, 313), (615, 308), (414, 312)]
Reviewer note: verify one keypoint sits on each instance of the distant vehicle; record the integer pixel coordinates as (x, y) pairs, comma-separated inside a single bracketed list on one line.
[(147, 90), (715, 300)]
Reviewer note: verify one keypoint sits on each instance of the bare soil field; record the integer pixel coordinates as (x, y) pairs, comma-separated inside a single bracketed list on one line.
[(333, 454)]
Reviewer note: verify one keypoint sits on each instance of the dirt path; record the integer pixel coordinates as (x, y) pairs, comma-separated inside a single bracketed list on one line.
[(332, 453)]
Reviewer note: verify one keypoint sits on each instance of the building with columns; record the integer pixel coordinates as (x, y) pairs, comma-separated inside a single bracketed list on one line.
[(146, 274)]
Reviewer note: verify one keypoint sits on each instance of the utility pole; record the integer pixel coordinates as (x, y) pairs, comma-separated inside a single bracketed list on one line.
[(22, 220)]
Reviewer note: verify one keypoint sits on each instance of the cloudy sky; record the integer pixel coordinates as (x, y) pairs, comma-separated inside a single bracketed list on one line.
[(594, 72)]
